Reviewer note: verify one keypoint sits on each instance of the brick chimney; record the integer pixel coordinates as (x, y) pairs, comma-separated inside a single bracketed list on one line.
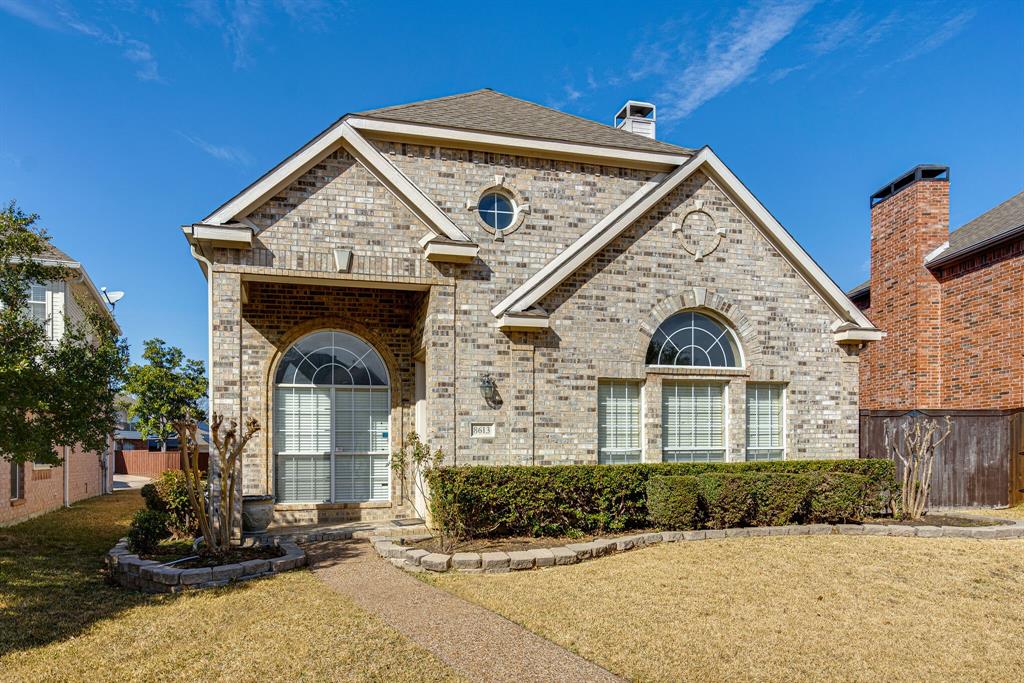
[(909, 220)]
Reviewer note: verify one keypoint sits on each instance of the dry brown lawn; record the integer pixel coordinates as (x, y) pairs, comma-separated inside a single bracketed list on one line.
[(59, 620), (1007, 513), (835, 608)]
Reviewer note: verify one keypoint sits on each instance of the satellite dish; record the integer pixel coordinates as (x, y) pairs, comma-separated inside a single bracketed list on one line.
[(111, 297)]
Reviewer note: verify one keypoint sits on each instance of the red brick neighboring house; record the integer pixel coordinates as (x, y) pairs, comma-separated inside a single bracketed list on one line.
[(28, 490), (952, 307)]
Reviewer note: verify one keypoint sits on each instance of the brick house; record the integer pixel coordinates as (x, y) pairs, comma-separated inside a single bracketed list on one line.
[(518, 286), (952, 307), (33, 489)]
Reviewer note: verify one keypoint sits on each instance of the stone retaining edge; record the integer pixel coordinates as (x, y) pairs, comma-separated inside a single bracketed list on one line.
[(497, 562), (149, 576)]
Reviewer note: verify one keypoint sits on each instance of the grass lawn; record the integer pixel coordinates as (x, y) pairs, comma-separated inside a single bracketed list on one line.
[(59, 620), (1006, 513), (780, 609)]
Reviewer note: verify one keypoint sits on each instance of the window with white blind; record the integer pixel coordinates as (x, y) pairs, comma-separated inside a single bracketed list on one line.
[(765, 422), (692, 422), (35, 303), (332, 409), (618, 422), (17, 480)]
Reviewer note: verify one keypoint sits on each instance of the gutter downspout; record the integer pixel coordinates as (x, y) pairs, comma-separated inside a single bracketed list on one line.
[(67, 480)]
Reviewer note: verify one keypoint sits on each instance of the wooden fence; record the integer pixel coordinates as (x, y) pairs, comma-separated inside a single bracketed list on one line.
[(151, 463), (980, 464)]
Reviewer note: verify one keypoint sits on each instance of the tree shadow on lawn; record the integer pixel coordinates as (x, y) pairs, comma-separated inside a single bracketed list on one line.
[(52, 584)]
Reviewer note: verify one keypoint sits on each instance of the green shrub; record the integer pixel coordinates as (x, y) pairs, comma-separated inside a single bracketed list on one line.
[(169, 494), (840, 498), (674, 502), (727, 499), (563, 499), (147, 529)]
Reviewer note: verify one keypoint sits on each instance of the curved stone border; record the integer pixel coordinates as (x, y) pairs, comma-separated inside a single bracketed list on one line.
[(149, 576), (418, 560)]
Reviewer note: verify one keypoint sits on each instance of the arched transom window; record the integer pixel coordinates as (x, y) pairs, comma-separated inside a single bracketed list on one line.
[(690, 338), (332, 406)]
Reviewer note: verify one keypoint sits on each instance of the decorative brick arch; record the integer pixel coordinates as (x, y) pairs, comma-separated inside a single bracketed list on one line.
[(699, 298), (341, 325)]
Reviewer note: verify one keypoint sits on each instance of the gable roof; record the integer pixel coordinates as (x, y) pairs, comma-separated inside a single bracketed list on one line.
[(494, 112), (992, 227), (544, 281)]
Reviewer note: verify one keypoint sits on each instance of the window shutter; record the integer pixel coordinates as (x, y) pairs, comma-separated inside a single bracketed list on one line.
[(618, 420), (693, 422), (764, 422)]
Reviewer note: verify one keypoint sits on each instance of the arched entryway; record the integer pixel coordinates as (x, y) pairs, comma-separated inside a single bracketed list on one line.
[(332, 410)]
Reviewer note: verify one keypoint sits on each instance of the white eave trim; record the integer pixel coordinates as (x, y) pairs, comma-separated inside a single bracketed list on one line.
[(339, 135), (529, 321), (230, 236), (83, 277), (936, 252), (518, 144), (597, 238)]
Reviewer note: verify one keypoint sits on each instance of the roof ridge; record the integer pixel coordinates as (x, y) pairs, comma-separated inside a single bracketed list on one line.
[(443, 98)]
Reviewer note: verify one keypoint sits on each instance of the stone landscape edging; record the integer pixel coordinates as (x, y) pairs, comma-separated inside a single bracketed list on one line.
[(149, 576), (497, 562)]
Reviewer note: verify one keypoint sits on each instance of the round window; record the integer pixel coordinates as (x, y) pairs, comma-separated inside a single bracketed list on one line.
[(496, 210)]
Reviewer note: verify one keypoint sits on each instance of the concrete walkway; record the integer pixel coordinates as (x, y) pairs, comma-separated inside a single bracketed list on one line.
[(476, 642)]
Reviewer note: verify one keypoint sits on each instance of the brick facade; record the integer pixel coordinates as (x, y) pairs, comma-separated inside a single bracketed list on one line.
[(952, 334), (601, 318), (44, 486)]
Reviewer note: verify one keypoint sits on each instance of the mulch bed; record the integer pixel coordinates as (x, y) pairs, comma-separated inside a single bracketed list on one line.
[(176, 550), (936, 520)]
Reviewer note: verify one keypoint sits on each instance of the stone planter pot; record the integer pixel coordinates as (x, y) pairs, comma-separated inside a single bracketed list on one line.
[(257, 511)]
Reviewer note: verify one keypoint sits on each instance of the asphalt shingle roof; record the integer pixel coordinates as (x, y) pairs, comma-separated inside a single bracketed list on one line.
[(494, 112), (1003, 218)]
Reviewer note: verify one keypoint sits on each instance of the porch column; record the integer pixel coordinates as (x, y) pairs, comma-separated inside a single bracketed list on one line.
[(225, 369), (439, 342)]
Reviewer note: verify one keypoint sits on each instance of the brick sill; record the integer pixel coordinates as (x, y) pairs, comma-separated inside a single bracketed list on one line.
[(17, 502), (367, 505)]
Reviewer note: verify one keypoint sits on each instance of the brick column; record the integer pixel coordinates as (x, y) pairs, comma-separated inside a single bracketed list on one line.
[(225, 366)]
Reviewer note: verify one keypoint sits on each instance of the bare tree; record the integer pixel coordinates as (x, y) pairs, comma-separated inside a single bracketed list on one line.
[(914, 444), (416, 459), (228, 446)]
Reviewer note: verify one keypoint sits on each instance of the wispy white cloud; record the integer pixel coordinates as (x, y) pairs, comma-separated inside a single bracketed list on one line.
[(57, 16), (242, 21), (831, 36), (781, 73), (231, 155), (730, 57), (939, 36)]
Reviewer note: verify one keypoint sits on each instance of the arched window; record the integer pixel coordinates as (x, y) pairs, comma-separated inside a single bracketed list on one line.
[(689, 338), (332, 407)]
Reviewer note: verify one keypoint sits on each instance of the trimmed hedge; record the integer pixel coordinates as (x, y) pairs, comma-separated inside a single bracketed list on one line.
[(720, 500), (147, 529), (482, 500)]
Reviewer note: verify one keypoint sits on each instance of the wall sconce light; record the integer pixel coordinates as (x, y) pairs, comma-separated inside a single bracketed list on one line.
[(489, 389)]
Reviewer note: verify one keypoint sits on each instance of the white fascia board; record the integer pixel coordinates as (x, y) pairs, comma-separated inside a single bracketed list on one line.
[(784, 242), (936, 252), (523, 145), (286, 172), (523, 322), (399, 184), (597, 238), (84, 278), (338, 135)]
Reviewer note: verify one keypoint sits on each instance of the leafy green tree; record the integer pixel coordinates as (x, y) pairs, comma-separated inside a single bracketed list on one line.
[(167, 388), (51, 394)]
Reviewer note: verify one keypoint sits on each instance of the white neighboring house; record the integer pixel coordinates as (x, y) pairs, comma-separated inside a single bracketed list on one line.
[(34, 489)]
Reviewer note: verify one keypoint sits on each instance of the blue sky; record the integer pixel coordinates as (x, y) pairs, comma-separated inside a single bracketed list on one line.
[(121, 120)]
